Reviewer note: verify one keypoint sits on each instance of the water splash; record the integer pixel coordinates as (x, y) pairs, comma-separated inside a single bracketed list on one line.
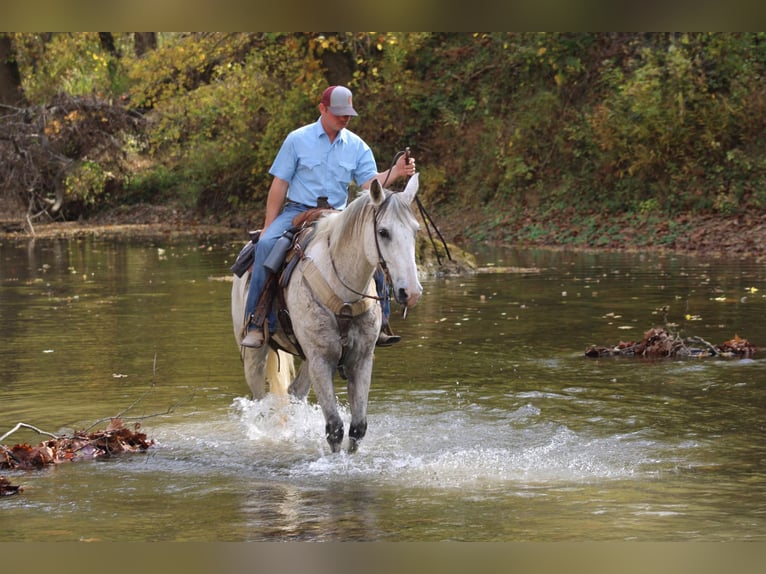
[(436, 449), (279, 419)]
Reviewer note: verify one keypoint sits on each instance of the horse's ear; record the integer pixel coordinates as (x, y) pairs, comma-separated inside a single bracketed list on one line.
[(376, 192), (411, 188)]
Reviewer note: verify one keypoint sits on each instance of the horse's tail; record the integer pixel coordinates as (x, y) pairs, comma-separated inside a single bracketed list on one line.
[(280, 371)]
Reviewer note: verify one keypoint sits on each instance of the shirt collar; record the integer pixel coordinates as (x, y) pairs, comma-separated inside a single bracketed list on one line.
[(319, 131)]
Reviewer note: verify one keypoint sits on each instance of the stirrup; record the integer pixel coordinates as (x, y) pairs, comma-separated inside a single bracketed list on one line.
[(256, 329), (386, 337), (258, 339)]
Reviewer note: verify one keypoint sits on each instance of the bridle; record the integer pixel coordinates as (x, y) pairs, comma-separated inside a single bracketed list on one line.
[(381, 260)]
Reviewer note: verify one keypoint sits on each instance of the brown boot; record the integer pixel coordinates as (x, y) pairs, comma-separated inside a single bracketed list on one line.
[(386, 337), (253, 339)]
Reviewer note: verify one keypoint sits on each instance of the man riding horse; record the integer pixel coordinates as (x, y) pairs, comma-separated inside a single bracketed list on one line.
[(314, 166)]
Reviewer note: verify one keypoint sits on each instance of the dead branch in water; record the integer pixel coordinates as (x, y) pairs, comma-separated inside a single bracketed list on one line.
[(86, 444), (115, 438), (659, 342)]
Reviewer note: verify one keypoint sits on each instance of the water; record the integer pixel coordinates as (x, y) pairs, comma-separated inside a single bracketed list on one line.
[(486, 423)]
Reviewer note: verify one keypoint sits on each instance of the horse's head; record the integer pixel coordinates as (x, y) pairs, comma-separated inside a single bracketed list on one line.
[(394, 239)]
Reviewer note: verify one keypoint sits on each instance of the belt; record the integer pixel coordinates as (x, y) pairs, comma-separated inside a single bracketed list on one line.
[(302, 205)]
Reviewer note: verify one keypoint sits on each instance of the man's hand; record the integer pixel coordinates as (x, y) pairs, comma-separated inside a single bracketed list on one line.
[(405, 165)]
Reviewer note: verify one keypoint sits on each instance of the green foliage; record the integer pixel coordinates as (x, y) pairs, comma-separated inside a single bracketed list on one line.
[(86, 182), (669, 122), (649, 206), (72, 63), (651, 124), (161, 184), (221, 106)]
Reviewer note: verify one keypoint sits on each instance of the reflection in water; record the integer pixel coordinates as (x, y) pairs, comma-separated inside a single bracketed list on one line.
[(486, 422)]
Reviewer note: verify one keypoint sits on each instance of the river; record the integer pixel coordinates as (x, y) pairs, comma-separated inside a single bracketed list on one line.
[(486, 423)]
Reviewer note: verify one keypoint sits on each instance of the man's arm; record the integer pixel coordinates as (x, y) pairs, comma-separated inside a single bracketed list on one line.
[(275, 200), (400, 169)]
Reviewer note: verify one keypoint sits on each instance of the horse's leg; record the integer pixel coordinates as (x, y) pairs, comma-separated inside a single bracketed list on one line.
[(359, 377), (280, 371), (321, 373), (301, 385)]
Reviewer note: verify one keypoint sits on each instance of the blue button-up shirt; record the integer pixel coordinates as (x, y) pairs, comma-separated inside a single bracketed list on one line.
[(314, 167)]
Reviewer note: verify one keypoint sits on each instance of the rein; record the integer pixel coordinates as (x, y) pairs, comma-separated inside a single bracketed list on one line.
[(381, 260), (359, 306), (427, 219)]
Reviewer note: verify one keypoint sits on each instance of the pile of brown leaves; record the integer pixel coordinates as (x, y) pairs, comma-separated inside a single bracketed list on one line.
[(658, 343), (116, 438), (737, 347)]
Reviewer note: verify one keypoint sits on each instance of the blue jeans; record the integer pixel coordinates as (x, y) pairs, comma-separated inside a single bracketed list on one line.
[(382, 286), (268, 238)]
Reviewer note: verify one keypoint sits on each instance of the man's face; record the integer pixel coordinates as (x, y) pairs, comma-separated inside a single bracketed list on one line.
[(331, 121)]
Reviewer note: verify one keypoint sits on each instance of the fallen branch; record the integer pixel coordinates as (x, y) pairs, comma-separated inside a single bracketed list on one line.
[(26, 426), (42, 145), (116, 438), (83, 445), (658, 343)]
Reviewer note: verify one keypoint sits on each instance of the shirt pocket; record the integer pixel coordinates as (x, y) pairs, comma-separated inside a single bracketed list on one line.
[(342, 172), (310, 163)]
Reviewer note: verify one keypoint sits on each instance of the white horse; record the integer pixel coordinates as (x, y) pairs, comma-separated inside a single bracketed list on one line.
[(332, 301)]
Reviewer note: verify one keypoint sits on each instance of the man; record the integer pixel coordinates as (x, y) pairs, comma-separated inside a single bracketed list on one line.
[(316, 160)]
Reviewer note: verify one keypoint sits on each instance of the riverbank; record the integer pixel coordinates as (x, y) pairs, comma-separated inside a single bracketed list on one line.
[(737, 237), (140, 222)]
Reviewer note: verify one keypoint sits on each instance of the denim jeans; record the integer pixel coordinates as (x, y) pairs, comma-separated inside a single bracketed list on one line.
[(268, 238), (382, 286)]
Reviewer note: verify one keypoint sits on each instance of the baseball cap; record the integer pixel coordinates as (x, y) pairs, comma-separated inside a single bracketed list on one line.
[(338, 101)]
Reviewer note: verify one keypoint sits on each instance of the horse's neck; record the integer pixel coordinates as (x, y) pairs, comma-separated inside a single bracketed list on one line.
[(346, 267)]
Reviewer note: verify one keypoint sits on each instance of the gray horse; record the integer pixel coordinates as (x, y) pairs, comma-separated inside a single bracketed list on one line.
[(332, 301)]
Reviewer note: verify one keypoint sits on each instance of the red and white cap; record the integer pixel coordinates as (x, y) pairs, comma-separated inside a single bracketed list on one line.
[(338, 101)]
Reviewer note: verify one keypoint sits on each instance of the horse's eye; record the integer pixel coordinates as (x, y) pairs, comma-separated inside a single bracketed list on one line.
[(384, 234)]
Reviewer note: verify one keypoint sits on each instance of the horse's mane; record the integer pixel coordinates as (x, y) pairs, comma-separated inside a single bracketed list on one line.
[(346, 226)]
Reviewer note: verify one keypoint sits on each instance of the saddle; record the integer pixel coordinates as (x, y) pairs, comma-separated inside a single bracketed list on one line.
[(273, 295)]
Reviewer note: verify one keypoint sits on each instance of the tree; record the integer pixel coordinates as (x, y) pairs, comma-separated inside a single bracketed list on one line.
[(144, 42), (10, 79), (107, 43)]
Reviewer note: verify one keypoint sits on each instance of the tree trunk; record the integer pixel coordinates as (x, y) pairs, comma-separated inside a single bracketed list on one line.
[(144, 42), (11, 93), (339, 65), (107, 43)]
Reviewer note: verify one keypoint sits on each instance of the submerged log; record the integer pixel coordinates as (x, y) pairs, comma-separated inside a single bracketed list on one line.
[(7, 489), (659, 343)]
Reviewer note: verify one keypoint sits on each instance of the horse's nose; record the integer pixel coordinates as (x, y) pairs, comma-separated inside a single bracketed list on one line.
[(408, 299)]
